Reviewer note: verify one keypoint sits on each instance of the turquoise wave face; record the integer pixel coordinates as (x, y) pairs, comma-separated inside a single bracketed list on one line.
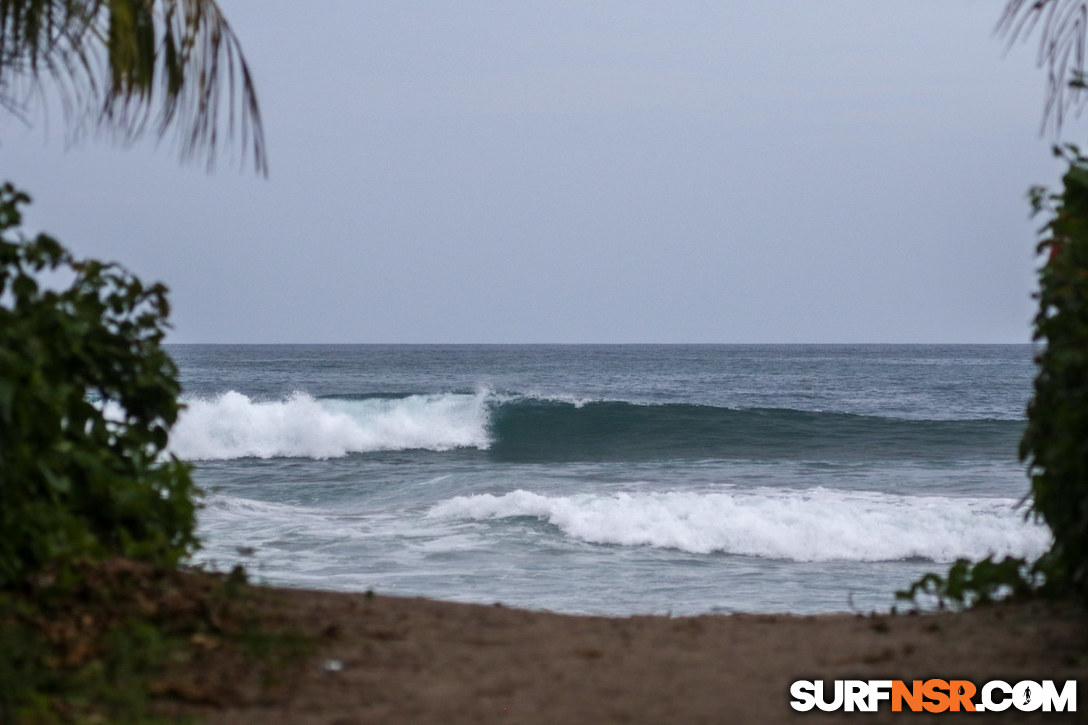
[(538, 430)]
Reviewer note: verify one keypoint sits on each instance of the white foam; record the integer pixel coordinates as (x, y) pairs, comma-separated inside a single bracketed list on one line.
[(246, 521), (576, 401), (812, 525), (234, 426)]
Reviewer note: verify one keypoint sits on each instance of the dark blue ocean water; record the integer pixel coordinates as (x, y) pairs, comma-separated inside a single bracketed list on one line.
[(609, 479)]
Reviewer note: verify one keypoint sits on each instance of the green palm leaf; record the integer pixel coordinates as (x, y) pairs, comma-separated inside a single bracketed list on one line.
[(128, 66)]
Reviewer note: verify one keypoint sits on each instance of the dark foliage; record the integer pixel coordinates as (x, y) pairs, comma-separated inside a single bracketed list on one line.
[(87, 396), (1055, 444)]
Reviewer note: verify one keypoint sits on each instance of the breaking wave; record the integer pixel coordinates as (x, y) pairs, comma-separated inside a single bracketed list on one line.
[(234, 426), (548, 429), (812, 525)]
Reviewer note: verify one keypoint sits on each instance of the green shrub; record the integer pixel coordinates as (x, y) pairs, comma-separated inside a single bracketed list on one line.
[(1055, 442), (981, 582), (87, 396)]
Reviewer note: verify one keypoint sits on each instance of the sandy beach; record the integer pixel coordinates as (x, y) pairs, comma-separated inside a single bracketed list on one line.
[(397, 660)]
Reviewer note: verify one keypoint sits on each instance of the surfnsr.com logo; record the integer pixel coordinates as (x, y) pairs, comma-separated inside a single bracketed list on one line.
[(934, 695)]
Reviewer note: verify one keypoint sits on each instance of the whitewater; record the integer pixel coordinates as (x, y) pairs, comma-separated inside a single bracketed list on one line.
[(609, 479), (233, 426)]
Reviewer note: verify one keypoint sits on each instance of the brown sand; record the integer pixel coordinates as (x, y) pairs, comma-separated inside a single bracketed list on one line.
[(392, 660)]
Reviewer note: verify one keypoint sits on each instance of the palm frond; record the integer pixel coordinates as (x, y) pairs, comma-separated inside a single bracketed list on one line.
[(1062, 26), (174, 67)]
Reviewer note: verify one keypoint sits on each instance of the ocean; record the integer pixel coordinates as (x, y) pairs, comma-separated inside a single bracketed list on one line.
[(612, 479)]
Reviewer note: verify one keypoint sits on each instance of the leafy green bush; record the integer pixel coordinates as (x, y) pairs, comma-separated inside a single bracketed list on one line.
[(87, 396), (982, 582), (1055, 442)]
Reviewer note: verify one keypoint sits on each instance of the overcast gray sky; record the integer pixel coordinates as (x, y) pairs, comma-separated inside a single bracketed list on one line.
[(589, 171)]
